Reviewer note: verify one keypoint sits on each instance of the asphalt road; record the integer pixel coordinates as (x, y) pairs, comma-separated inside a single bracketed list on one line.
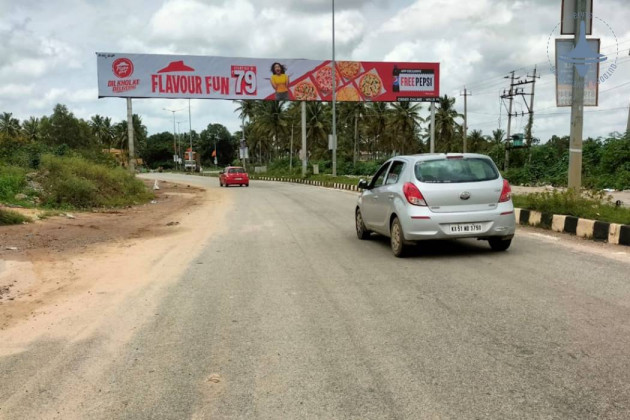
[(287, 315)]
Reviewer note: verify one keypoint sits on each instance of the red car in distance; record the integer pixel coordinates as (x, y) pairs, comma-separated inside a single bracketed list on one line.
[(233, 175)]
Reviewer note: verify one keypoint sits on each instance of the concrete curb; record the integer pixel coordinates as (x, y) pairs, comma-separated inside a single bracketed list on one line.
[(613, 233)]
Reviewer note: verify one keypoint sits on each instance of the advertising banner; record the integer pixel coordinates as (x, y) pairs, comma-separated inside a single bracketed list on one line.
[(564, 74), (200, 77)]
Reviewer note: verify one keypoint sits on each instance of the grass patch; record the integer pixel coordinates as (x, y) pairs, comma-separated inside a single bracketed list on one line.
[(10, 217), (12, 182), (74, 182), (591, 205)]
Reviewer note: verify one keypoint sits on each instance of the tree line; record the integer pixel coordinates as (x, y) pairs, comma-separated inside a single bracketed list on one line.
[(366, 131)]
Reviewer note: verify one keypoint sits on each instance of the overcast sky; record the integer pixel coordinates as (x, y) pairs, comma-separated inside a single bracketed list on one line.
[(47, 53)]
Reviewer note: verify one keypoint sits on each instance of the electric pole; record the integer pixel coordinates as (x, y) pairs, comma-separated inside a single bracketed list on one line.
[(530, 123), (628, 123), (510, 95), (466, 94), (577, 110)]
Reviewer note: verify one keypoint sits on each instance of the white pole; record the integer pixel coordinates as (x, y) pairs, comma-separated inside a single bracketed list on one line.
[(432, 145), (304, 156), (132, 159), (334, 116), (190, 130)]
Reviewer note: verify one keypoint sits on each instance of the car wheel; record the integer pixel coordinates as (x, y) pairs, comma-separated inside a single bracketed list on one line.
[(397, 239), (247, 185), (498, 244), (362, 232)]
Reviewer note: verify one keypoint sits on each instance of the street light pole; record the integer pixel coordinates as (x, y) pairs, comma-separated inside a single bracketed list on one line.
[(334, 116), (173, 111)]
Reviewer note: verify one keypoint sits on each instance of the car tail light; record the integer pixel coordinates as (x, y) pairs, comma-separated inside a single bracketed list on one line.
[(413, 195), (506, 192)]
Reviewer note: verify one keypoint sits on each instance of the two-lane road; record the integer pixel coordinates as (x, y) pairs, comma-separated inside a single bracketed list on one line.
[(287, 315)]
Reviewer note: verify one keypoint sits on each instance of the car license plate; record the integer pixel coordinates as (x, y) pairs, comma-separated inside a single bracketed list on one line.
[(239, 179), (466, 228)]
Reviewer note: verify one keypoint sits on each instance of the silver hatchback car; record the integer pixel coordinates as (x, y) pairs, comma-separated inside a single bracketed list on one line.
[(437, 196)]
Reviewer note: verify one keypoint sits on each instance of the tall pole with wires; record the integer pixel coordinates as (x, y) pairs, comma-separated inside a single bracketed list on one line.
[(334, 113), (466, 94)]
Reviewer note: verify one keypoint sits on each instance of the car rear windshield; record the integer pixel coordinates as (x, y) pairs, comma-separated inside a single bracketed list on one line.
[(237, 171), (456, 170)]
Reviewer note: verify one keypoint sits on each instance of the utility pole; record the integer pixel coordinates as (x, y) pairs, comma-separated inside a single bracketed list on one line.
[(577, 110), (132, 157), (334, 87), (530, 122), (466, 94), (432, 143), (173, 111), (509, 96), (304, 154), (628, 123)]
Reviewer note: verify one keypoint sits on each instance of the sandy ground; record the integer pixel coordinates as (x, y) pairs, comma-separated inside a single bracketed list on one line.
[(60, 275)]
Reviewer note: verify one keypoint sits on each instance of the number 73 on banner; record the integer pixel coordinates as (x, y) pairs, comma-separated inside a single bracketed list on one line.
[(244, 80)]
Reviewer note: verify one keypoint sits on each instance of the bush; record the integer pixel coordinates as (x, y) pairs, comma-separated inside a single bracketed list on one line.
[(591, 205), (9, 217), (12, 181), (76, 182)]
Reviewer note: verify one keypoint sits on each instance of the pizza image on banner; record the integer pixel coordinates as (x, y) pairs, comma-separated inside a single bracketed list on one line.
[(348, 93), (305, 91), (371, 85)]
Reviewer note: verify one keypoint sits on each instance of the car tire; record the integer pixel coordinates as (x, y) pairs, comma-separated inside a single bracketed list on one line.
[(397, 239), (498, 244), (247, 185), (362, 232)]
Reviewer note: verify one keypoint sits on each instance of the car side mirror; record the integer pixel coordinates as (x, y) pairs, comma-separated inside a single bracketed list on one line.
[(363, 184)]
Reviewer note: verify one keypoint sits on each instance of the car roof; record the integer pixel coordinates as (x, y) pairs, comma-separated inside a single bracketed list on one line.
[(432, 156)]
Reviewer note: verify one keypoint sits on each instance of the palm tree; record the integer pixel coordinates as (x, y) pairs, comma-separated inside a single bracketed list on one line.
[(269, 123), (377, 123), (9, 125), (102, 129), (446, 129), (477, 142), (405, 121), (318, 125), (30, 129), (352, 113)]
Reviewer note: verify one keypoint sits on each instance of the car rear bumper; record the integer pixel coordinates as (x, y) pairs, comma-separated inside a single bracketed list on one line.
[(236, 182), (422, 224)]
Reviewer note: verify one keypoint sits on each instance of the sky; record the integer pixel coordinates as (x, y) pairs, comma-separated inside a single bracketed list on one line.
[(47, 54)]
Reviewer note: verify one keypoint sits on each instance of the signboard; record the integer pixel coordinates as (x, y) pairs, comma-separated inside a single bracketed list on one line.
[(564, 74), (199, 77), (571, 20)]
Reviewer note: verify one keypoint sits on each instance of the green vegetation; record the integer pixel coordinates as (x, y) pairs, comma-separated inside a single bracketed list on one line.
[(592, 205), (61, 162), (10, 217), (79, 183)]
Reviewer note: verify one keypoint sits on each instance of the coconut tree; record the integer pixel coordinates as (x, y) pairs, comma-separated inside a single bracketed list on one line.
[(405, 120), (30, 129), (269, 124), (446, 128), (477, 142), (376, 125), (9, 125)]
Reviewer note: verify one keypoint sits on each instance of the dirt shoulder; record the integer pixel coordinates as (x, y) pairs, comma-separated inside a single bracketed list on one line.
[(61, 263)]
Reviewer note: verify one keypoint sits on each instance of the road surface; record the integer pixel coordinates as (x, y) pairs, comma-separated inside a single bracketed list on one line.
[(285, 314)]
